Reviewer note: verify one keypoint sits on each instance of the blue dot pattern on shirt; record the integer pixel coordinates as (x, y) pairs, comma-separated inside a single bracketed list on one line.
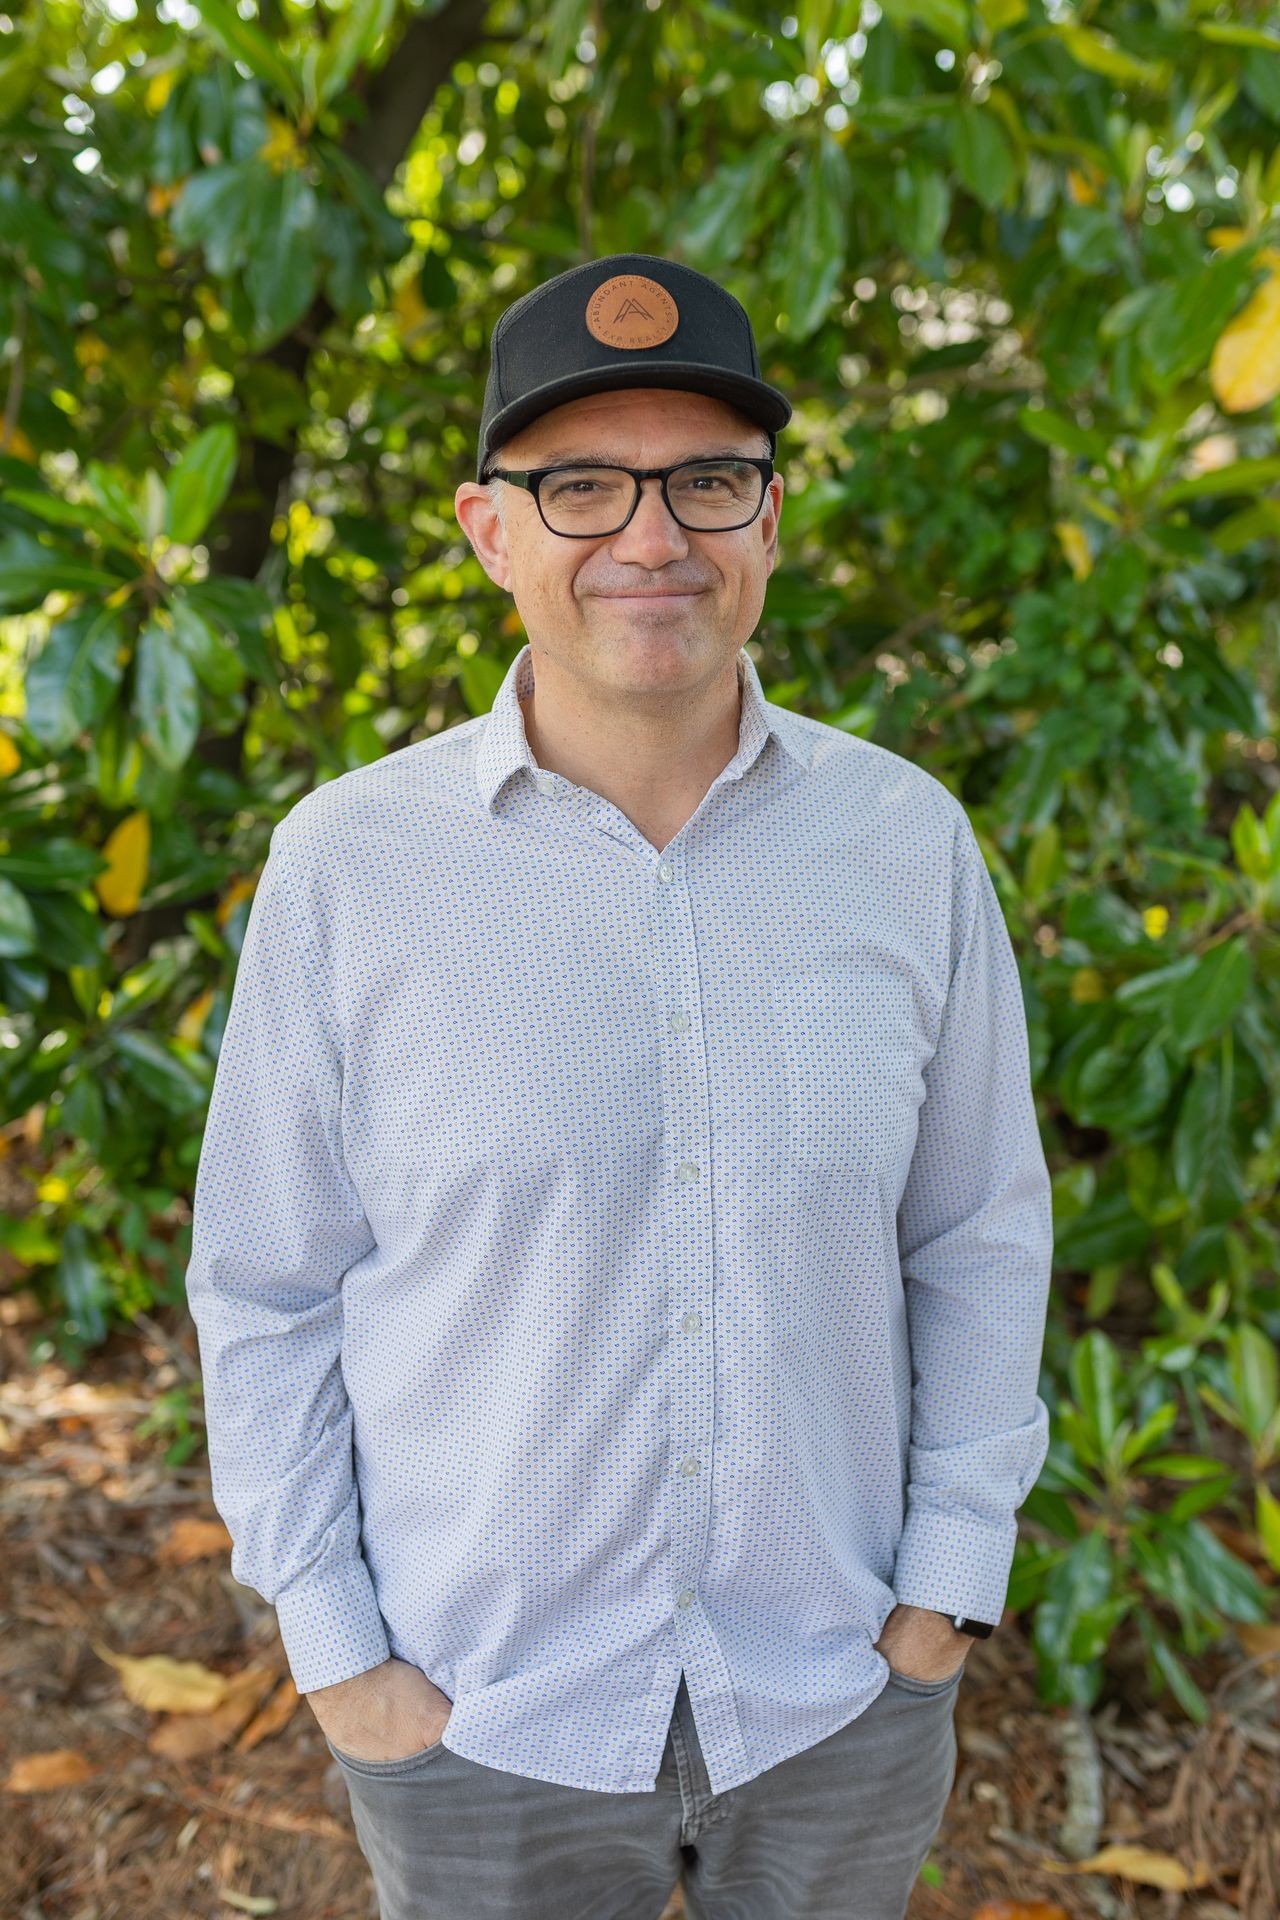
[(611, 1261)]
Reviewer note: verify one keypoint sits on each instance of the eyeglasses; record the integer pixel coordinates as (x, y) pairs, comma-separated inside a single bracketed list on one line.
[(705, 496)]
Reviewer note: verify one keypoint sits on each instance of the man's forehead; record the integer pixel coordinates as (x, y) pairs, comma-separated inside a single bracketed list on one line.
[(639, 414)]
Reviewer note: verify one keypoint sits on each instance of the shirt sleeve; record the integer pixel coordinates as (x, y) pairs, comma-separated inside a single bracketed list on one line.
[(275, 1226), (975, 1246)]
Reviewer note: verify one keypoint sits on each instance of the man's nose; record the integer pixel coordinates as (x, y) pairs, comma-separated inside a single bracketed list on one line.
[(652, 530)]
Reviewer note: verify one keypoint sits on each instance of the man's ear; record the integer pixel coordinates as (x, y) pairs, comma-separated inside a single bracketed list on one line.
[(770, 514), (478, 517)]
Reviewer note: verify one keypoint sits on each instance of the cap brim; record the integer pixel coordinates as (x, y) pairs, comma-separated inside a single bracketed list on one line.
[(760, 402)]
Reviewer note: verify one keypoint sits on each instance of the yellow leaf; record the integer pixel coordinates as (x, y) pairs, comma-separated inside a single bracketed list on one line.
[(16, 443), (280, 148), (162, 1685), (1075, 546), (1087, 985), (1244, 368), (240, 890), (10, 758), (127, 849), (1155, 921), (1083, 185), (158, 90), (161, 198), (190, 1023), (1143, 1864), (1227, 236), (411, 310)]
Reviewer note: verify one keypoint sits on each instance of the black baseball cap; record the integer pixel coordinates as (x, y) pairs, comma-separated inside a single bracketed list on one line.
[(628, 320)]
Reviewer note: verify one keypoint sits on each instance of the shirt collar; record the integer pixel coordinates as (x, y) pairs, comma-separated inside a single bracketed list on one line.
[(504, 748)]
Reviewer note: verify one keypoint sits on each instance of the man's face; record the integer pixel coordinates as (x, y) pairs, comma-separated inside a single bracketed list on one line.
[(649, 605)]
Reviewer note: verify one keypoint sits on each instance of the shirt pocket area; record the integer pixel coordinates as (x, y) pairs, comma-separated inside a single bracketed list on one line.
[(855, 1040)]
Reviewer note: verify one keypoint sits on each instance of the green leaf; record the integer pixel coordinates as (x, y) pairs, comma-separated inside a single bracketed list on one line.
[(197, 486), (1080, 1584), (1181, 327), (83, 1286), (921, 206), (814, 253), (218, 666), (350, 42), (17, 922), (73, 680), (166, 699), (1055, 430), (1202, 1152), (1242, 476), (1226, 1584), (948, 20), (1207, 999), (983, 157), (1185, 1691), (718, 222), (1226, 34), (218, 211), (57, 512), (1153, 1428), (29, 570), (285, 259), (248, 43), (168, 1077), (1267, 1519), (1182, 1466), (1255, 1378), (1100, 54), (1094, 1369)]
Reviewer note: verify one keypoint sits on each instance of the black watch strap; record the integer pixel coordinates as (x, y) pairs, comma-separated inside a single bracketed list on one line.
[(979, 1628)]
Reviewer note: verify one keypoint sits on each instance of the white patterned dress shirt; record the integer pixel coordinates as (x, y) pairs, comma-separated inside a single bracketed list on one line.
[(611, 1261)]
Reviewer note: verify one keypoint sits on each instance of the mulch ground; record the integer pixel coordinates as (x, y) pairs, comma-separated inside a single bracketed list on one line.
[(140, 1814)]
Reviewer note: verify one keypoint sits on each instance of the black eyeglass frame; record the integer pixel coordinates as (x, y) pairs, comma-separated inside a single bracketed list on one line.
[(531, 479)]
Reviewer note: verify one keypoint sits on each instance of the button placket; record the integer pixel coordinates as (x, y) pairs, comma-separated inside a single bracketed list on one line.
[(687, 1128)]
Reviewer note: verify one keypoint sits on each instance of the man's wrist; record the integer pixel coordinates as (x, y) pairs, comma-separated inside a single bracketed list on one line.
[(355, 1683)]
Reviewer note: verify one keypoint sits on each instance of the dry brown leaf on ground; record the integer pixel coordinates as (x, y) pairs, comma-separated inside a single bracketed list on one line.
[(191, 1538), (43, 1772), (164, 1685), (1143, 1864), (1257, 1639), (1019, 1910), (184, 1736), (275, 1716)]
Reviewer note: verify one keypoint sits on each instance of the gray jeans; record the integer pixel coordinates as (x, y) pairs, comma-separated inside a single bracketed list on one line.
[(837, 1832)]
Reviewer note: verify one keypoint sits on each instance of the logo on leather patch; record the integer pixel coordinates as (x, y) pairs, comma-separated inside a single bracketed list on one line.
[(632, 311)]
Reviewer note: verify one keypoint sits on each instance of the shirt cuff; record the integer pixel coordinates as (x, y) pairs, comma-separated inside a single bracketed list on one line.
[(954, 1562), (331, 1627)]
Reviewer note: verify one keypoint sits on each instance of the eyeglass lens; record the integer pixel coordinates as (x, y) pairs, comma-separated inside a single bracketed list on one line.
[(704, 495)]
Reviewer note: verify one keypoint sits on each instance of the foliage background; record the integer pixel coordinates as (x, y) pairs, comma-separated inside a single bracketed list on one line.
[(1015, 262)]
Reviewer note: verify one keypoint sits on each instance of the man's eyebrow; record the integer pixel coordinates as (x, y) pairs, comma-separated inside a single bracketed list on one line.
[(580, 457)]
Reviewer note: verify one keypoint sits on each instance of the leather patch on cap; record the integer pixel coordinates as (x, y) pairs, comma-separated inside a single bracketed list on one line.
[(632, 311)]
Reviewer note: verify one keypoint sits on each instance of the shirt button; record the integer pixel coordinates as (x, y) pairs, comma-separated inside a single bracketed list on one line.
[(688, 1171), (684, 1599), (690, 1465), (679, 1019), (665, 870), (546, 783), (692, 1323)]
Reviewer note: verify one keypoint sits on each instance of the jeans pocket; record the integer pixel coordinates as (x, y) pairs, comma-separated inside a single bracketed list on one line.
[(382, 1769), (909, 1683)]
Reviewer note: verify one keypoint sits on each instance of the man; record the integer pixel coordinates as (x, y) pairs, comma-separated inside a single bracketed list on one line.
[(622, 1233)]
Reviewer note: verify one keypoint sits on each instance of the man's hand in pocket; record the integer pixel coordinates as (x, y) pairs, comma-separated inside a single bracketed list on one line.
[(388, 1713)]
